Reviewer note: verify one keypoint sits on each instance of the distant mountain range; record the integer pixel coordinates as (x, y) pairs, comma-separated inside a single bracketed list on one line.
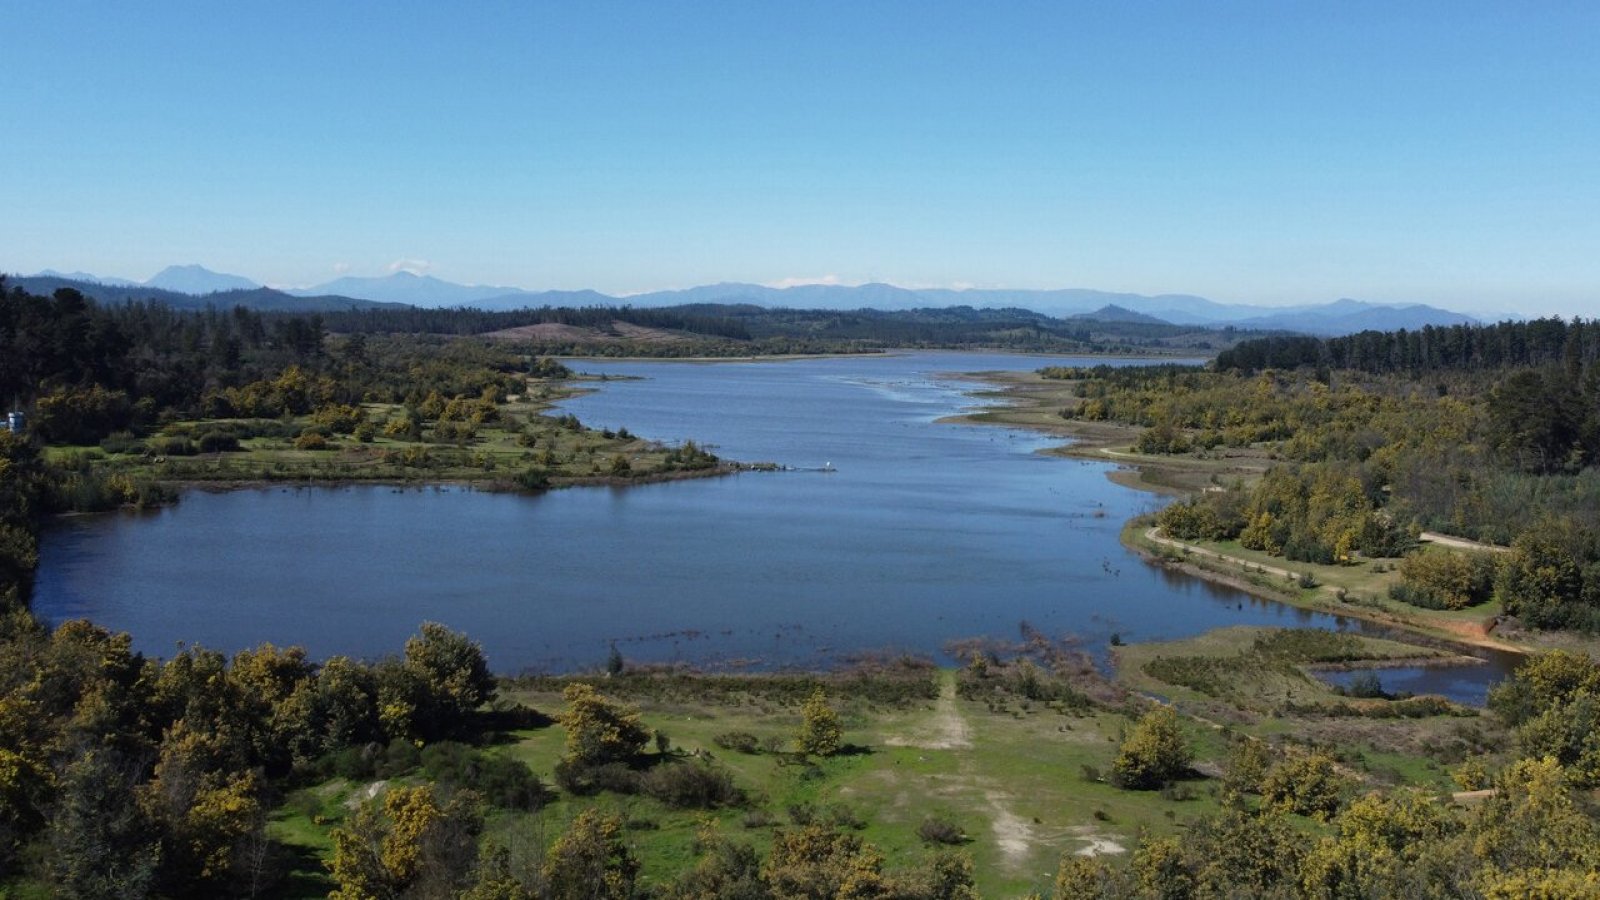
[(193, 286), (121, 290), (190, 279), (410, 289)]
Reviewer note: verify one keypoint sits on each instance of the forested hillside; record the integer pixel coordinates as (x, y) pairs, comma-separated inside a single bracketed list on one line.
[(712, 329)]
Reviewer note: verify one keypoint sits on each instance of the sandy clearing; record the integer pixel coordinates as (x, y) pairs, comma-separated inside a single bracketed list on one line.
[(1012, 833)]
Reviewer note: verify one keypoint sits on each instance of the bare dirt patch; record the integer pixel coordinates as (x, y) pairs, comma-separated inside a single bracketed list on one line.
[(615, 333), (1099, 846), (1012, 833), (545, 331), (367, 793)]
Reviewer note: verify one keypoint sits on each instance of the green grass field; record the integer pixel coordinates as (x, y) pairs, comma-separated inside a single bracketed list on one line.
[(1009, 773)]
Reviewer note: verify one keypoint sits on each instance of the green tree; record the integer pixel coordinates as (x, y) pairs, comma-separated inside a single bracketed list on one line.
[(1542, 579), (1086, 878), (101, 843), (414, 843), (1385, 847), (1154, 753), (598, 730), (820, 733), (817, 862), (1308, 784), (1161, 870), (1534, 825), (455, 675), (1568, 732), (591, 861), (1243, 854)]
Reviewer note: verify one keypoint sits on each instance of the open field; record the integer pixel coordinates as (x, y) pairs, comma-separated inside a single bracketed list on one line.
[(1023, 780)]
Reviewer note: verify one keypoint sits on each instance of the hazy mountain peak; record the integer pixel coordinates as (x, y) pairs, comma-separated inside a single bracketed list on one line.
[(409, 287), (1111, 312), (85, 276), (197, 279)]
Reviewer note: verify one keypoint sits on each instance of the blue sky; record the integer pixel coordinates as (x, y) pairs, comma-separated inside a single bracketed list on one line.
[(1270, 152)]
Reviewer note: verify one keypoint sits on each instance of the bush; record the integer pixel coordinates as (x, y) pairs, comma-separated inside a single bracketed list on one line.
[(368, 761), (939, 831), (1309, 785), (586, 780), (1472, 775), (1155, 752), (1366, 685), (840, 815), (311, 440), (690, 786), (1177, 792), (122, 442), (218, 442), (339, 418), (170, 446), (503, 782), (737, 741)]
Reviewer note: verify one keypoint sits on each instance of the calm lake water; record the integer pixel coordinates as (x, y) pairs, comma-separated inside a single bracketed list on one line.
[(923, 533)]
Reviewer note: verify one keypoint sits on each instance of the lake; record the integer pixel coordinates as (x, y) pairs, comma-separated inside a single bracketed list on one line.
[(923, 532)]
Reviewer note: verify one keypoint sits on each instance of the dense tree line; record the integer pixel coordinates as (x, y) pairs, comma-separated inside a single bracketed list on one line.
[(127, 776), (1320, 513), (86, 371), (1544, 403), (1537, 343), (95, 369), (751, 328)]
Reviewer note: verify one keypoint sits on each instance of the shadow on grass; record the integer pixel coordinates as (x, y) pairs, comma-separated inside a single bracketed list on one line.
[(497, 724), (304, 875)]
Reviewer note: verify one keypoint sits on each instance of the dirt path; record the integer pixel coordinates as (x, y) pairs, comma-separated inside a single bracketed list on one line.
[(947, 730), (1154, 534), (1012, 833), (1445, 540), (1472, 633)]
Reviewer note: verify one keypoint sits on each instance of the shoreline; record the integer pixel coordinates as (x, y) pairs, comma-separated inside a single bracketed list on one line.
[(886, 352), (488, 485)]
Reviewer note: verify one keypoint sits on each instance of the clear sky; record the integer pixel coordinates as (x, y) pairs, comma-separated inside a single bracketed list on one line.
[(1267, 152)]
